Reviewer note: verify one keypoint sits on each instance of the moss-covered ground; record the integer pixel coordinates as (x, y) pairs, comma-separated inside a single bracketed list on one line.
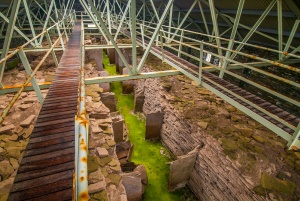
[(145, 152)]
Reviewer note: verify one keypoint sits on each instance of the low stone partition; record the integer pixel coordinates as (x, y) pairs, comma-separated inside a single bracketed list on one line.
[(105, 180), (240, 159)]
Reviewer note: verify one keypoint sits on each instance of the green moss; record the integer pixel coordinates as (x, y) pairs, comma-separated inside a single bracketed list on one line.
[(102, 196), (93, 163), (114, 178), (258, 138), (290, 160), (228, 144), (260, 190), (145, 152), (13, 64), (105, 160), (271, 183)]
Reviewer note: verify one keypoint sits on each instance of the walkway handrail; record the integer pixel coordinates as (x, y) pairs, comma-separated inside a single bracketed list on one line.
[(227, 40), (14, 99), (81, 134), (31, 40)]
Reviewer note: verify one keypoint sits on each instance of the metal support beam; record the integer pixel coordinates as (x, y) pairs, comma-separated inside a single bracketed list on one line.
[(233, 33), (200, 64), (52, 52), (294, 143), (170, 23), (159, 25), (292, 34), (215, 25), (109, 35), (119, 78), (203, 17), (280, 38), (133, 36), (30, 21), (183, 20), (16, 29), (108, 16), (47, 19), (253, 29), (8, 36), (122, 20), (34, 84), (84, 5)]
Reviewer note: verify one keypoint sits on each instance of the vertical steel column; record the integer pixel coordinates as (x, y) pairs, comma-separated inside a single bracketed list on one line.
[(291, 37), (280, 37), (232, 36), (8, 36), (108, 17), (200, 63), (144, 13), (162, 47), (27, 67), (180, 44), (143, 39), (133, 35), (215, 25), (170, 23)]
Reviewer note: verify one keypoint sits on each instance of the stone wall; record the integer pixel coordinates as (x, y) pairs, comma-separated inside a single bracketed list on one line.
[(236, 150)]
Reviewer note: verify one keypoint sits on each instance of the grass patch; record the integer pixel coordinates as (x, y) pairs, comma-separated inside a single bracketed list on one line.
[(145, 152), (12, 65)]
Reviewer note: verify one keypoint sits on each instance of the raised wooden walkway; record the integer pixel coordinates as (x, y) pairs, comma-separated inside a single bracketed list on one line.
[(46, 170), (228, 89)]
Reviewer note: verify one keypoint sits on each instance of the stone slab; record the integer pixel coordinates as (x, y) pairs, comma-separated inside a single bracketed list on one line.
[(180, 169), (154, 123)]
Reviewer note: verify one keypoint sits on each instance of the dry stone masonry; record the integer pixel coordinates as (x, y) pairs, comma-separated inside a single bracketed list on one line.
[(238, 157)]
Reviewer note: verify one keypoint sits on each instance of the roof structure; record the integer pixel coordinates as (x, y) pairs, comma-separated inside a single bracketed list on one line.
[(220, 45)]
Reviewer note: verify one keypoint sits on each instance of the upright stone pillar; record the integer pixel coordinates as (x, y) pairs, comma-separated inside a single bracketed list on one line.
[(154, 123), (128, 85), (109, 100), (111, 55), (139, 97), (181, 169), (118, 128)]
